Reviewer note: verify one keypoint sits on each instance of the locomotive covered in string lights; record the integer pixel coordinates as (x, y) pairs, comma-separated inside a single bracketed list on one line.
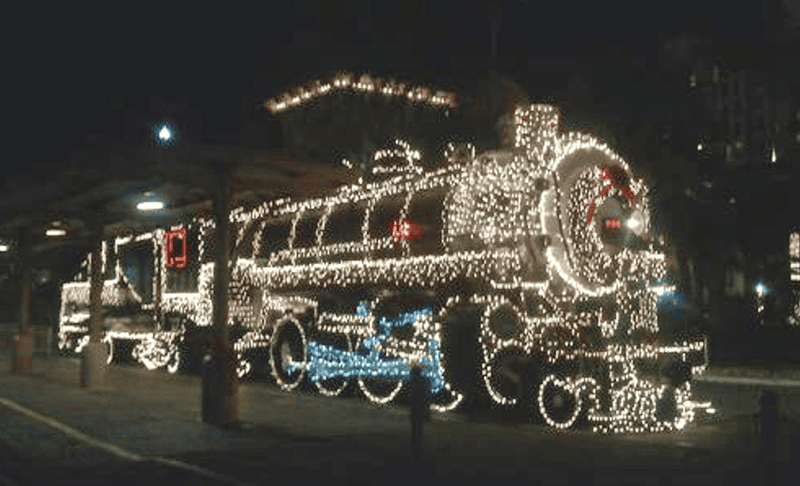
[(522, 275)]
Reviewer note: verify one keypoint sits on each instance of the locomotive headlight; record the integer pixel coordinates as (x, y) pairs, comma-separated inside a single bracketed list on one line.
[(636, 222)]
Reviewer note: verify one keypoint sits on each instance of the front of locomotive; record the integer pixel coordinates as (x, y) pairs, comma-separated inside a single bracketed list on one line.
[(604, 270)]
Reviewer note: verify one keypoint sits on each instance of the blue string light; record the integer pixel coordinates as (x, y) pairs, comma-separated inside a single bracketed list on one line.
[(326, 362)]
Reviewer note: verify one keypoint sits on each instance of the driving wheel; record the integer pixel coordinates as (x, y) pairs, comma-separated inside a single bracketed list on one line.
[(559, 403), (288, 353), (336, 385)]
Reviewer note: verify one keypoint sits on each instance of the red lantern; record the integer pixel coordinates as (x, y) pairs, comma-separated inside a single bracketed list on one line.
[(177, 262)]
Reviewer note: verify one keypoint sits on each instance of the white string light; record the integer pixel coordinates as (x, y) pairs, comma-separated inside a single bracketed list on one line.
[(365, 84), (511, 223)]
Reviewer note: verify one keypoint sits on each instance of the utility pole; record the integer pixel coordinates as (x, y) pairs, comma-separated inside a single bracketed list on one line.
[(220, 399), (22, 363)]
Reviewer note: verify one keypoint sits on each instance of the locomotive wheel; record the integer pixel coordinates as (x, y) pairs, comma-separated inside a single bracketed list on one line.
[(504, 322), (446, 400), (459, 342), (109, 349), (71, 344), (378, 390), (332, 387), (175, 362), (560, 407), (243, 366), (288, 348), (501, 376), (259, 359), (185, 343)]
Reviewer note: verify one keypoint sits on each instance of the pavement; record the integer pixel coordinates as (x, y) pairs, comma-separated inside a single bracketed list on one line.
[(146, 425)]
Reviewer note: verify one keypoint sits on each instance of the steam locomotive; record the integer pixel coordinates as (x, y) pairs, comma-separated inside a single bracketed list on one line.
[(524, 276)]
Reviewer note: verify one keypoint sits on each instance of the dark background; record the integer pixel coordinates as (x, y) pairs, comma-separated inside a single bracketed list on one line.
[(72, 70)]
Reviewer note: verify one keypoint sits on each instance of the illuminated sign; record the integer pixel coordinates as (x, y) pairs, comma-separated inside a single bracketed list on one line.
[(178, 262)]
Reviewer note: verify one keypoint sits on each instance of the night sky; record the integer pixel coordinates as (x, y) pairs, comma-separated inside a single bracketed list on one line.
[(66, 64)]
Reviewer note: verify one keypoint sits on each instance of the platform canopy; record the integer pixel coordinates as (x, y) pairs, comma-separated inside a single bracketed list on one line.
[(102, 186)]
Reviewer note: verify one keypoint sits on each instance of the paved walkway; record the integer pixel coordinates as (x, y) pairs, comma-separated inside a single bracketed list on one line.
[(296, 435)]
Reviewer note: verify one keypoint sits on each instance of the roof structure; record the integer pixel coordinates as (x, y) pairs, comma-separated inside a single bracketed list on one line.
[(184, 179)]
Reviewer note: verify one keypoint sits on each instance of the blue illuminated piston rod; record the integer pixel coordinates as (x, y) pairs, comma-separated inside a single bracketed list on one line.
[(326, 362)]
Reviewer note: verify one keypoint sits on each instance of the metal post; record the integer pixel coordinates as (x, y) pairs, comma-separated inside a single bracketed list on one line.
[(160, 278), (220, 387), (93, 358), (417, 392), (526, 370), (22, 362), (48, 340), (769, 432), (95, 293)]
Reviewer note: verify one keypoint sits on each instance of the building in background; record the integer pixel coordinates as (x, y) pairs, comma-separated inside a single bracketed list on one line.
[(794, 275), (315, 120), (737, 130)]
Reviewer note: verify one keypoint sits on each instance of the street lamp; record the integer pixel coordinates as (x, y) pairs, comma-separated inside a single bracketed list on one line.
[(150, 203), (164, 134), (55, 229)]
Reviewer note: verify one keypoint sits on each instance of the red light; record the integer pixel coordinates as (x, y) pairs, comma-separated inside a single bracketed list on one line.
[(177, 262), (612, 223), (592, 207), (404, 229)]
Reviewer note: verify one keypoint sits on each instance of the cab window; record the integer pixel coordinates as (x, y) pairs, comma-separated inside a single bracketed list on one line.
[(306, 231), (139, 267), (245, 247), (274, 238), (344, 224), (425, 216), (385, 217)]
